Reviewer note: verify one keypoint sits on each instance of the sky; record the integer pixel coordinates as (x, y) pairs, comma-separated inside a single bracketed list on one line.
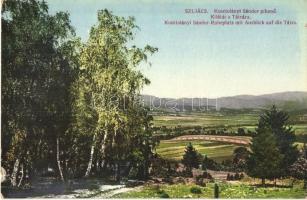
[(209, 61)]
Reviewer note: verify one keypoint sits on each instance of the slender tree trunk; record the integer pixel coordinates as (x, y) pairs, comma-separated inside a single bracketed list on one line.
[(22, 175), (58, 159), (305, 184), (102, 149), (14, 173), (90, 163)]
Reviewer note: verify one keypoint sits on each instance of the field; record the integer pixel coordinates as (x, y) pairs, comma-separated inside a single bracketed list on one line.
[(207, 120), (231, 122), (218, 151), (227, 190)]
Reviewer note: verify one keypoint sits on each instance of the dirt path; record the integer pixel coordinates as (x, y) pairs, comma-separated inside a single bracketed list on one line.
[(78, 188), (104, 191), (219, 175), (228, 139)]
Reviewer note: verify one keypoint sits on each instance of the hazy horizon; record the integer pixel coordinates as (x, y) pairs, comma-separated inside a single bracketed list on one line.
[(224, 95)]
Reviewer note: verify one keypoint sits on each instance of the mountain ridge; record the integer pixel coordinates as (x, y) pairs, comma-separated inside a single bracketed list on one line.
[(231, 102)]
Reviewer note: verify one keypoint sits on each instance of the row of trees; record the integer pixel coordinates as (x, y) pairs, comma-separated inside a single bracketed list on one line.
[(165, 133), (70, 105)]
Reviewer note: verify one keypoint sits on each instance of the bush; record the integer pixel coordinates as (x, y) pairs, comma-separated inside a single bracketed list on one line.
[(186, 173), (163, 194), (208, 163), (195, 190)]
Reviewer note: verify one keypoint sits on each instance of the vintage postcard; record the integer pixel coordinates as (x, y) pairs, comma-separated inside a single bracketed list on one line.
[(154, 99)]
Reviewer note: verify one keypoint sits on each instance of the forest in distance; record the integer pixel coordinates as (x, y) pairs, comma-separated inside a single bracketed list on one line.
[(74, 123)]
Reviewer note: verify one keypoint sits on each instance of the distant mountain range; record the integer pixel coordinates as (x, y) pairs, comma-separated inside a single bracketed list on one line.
[(291, 100)]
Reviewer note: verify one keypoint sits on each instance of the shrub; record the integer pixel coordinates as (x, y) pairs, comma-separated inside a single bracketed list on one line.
[(208, 163), (163, 194), (186, 173), (195, 190), (216, 191)]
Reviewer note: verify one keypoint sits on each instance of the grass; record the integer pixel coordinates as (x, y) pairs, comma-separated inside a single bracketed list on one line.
[(174, 191), (218, 151), (227, 190)]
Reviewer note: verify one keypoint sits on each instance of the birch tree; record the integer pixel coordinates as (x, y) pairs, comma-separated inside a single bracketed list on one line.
[(109, 75)]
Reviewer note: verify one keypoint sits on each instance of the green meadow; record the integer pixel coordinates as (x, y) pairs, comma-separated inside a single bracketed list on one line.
[(218, 151)]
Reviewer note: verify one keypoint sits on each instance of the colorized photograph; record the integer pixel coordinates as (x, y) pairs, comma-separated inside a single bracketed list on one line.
[(126, 99)]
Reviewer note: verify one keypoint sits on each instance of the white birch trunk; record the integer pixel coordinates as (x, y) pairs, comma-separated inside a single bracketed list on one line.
[(103, 147), (22, 175), (58, 159), (14, 173), (89, 166)]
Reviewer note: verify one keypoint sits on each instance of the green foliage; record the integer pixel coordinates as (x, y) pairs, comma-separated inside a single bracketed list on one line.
[(241, 131), (240, 156), (216, 191), (107, 105), (265, 160), (277, 122), (61, 97), (163, 194), (272, 148), (37, 71), (208, 163), (196, 190), (191, 158)]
